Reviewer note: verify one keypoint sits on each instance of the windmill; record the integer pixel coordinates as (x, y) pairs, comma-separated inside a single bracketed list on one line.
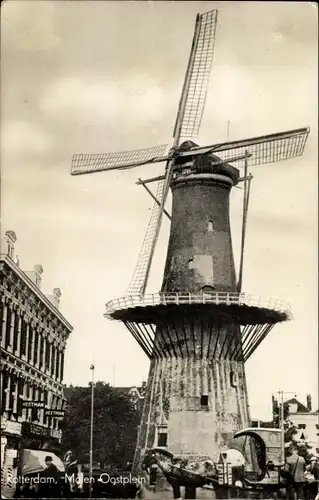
[(200, 328)]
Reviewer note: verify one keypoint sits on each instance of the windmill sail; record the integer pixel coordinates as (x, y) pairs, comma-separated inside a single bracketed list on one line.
[(140, 277), (192, 101), (264, 149), (89, 163), (138, 281)]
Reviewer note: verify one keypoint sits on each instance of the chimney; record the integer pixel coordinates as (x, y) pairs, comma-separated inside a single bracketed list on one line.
[(35, 275), (309, 405), (38, 270), (10, 238), (56, 297)]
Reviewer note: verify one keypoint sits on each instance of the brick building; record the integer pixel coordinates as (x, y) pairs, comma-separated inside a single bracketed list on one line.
[(33, 341)]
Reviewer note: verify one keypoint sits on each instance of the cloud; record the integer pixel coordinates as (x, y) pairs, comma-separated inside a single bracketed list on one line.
[(19, 137), (92, 100), (31, 25)]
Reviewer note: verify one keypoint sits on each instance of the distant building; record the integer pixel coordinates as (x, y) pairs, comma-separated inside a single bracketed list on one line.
[(33, 341), (306, 421), (136, 394)]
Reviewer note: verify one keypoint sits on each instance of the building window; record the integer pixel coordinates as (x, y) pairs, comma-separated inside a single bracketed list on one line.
[(8, 327), (52, 361), (35, 414), (204, 400), (23, 345), (210, 226), (317, 426), (15, 332), (4, 391), (47, 355), (61, 366), (30, 343), (190, 264), (301, 426), (162, 439), (36, 343), (12, 392), (57, 364), (20, 390), (233, 379)]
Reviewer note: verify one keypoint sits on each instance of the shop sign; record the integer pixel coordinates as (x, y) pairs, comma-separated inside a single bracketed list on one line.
[(33, 404), (29, 429), (54, 413), (11, 427)]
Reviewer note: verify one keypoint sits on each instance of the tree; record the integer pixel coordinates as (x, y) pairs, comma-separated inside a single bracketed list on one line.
[(115, 425)]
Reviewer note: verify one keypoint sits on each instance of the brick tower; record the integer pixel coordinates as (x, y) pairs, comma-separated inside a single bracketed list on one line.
[(198, 331)]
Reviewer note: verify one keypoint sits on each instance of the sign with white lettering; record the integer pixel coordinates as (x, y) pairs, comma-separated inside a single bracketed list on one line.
[(31, 429), (33, 404), (54, 413)]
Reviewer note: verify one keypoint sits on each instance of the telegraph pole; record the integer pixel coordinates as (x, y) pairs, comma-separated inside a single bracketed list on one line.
[(282, 422), (282, 427), (91, 432)]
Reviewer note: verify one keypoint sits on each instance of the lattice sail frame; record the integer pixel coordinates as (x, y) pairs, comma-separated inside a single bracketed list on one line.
[(264, 149), (89, 163), (193, 97), (138, 278)]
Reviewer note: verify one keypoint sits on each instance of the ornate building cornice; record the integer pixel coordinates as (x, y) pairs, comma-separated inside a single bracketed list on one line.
[(29, 373), (36, 302)]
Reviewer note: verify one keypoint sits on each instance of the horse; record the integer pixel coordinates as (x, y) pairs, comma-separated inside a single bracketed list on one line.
[(179, 472)]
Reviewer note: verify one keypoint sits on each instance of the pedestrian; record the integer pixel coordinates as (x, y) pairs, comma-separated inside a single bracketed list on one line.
[(296, 467), (50, 486), (312, 489), (313, 467)]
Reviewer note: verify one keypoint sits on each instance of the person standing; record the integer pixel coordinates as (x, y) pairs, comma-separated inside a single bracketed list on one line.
[(50, 480), (296, 466), (312, 489)]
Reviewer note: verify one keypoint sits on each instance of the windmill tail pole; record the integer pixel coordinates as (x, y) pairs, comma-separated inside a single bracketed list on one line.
[(154, 198), (247, 186)]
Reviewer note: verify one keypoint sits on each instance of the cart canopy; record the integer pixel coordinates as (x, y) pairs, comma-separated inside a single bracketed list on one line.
[(33, 461)]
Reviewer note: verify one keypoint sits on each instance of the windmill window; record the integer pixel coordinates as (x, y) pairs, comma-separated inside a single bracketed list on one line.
[(162, 439), (233, 379), (190, 264), (210, 226), (301, 426), (204, 400)]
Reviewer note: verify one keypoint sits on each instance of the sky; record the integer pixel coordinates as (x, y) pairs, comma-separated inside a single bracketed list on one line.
[(102, 76)]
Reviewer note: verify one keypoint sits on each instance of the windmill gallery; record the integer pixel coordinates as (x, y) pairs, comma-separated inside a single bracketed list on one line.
[(201, 328)]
